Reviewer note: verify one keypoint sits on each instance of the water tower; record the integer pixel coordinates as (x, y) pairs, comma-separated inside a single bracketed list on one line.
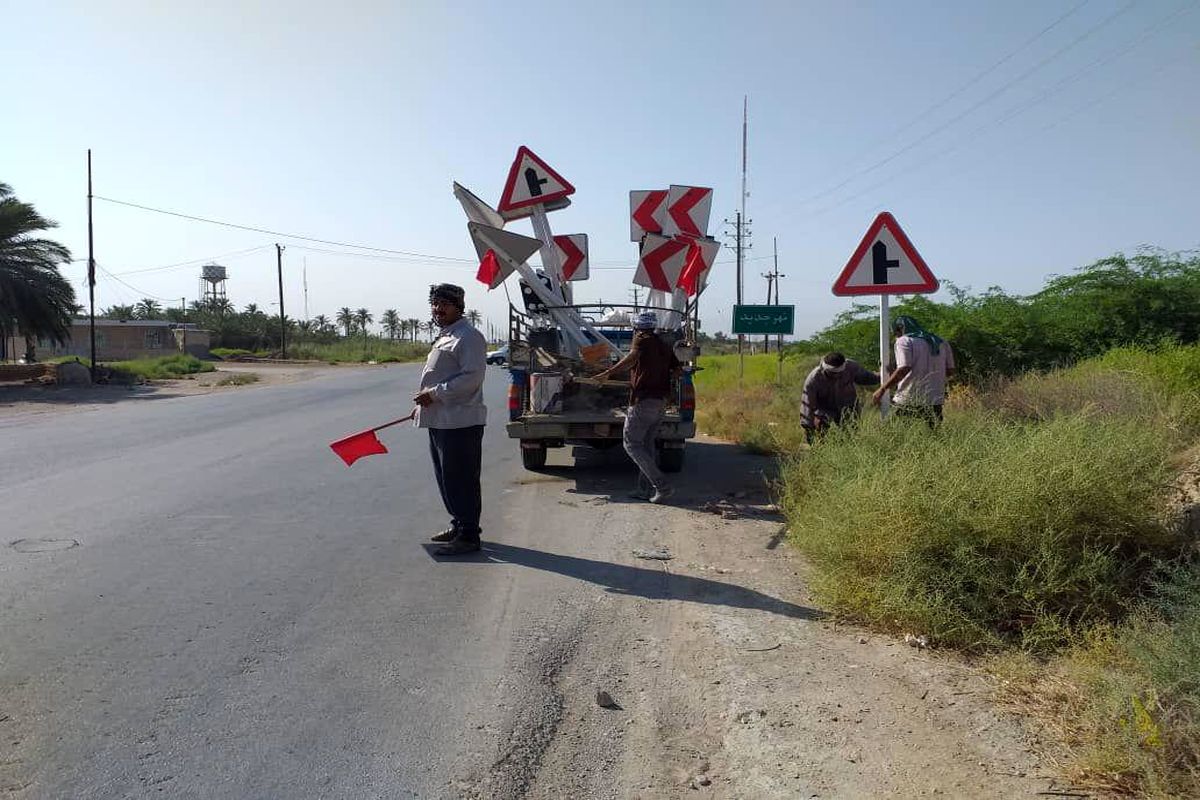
[(212, 283)]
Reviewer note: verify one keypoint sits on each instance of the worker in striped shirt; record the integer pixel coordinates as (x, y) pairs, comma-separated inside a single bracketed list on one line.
[(831, 393)]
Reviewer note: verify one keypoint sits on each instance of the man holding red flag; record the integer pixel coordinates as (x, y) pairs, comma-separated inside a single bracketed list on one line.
[(450, 405)]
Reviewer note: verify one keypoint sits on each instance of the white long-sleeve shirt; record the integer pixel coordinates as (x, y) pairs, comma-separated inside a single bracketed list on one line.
[(454, 372)]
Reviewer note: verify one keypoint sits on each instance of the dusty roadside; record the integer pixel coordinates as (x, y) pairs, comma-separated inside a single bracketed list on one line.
[(21, 399), (731, 684)]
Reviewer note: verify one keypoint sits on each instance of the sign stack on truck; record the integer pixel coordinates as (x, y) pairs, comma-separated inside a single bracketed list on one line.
[(555, 345)]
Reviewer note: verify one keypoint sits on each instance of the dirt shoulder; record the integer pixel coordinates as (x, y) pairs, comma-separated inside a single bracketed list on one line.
[(20, 399), (731, 683)]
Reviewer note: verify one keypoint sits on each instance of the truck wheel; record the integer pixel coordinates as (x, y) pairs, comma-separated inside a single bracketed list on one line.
[(670, 459), (533, 457)]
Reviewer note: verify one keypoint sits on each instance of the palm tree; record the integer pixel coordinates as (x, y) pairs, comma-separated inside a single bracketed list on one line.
[(414, 326), (345, 318), (429, 328), (363, 318), (474, 317), (391, 323), (322, 322), (405, 326), (147, 308), (118, 312), (34, 295)]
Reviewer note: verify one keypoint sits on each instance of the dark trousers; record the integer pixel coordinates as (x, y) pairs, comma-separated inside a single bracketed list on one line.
[(932, 415), (457, 453)]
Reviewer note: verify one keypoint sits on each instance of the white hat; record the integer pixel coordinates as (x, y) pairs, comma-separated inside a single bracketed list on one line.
[(646, 321)]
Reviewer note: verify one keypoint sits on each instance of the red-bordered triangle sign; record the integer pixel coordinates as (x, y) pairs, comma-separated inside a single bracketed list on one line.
[(885, 262), (531, 182)]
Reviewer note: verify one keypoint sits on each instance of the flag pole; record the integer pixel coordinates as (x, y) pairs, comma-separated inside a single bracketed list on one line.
[(91, 271)]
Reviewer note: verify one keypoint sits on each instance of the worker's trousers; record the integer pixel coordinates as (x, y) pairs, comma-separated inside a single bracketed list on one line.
[(457, 453), (641, 429)]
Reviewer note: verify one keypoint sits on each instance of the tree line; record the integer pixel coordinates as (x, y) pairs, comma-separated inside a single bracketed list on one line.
[(254, 329), (1147, 299)]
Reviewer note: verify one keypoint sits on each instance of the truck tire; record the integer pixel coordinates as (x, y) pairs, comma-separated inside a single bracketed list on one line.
[(670, 459), (533, 457)]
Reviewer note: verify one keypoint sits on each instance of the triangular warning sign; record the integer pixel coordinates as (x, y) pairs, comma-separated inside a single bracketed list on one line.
[(510, 249), (531, 182), (885, 262), (475, 209)]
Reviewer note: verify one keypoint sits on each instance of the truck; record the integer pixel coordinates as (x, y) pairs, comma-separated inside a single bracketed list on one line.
[(553, 401)]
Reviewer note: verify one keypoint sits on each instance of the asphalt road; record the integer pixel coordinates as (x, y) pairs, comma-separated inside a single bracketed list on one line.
[(199, 599)]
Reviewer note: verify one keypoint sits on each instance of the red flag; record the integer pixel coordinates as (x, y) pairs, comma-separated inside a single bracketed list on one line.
[(352, 448), (689, 277), (489, 269)]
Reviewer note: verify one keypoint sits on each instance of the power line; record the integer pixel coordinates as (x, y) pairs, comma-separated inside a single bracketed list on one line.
[(1016, 110), (937, 106), (195, 218), (972, 108), (142, 292), (193, 262)]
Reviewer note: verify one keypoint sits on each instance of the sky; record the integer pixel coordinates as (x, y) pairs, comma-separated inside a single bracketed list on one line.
[(1012, 140)]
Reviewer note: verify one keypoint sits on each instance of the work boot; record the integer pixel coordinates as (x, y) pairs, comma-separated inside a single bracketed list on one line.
[(661, 493), (445, 536), (459, 547), (644, 490)]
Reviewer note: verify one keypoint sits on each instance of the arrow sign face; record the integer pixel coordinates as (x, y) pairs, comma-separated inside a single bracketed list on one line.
[(509, 249), (531, 182), (661, 262), (647, 212), (476, 209), (573, 255), (885, 262), (688, 209)]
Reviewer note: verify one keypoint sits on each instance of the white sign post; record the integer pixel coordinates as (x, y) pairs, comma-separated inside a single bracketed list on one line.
[(885, 263)]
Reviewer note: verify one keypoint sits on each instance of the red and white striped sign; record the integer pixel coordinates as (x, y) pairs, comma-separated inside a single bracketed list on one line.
[(647, 212), (661, 262), (573, 256), (688, 209)]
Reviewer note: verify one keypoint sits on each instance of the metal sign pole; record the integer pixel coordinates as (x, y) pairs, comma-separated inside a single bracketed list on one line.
[(884, 351)]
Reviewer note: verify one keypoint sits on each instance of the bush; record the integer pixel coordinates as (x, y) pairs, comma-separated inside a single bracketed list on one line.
[(1126, 700), (757, 414), (164, 368), (1156, 388), (361, 350), (986, 532)]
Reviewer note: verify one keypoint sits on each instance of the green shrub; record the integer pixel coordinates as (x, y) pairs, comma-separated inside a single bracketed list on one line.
[(1125, 700), (360, 351), (232, 352), (757, 413), (165, 368), (1157, 388), (985, 532)]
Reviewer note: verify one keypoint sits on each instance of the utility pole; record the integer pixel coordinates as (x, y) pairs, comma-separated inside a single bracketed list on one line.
[(91, 273), (770, 276), (741, 218), (775, 247), (282, 318), (636, 290)]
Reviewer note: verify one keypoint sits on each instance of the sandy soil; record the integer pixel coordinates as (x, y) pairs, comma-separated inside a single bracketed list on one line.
[(732, 684)]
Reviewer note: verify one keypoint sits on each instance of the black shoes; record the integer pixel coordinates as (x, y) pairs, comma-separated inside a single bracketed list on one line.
[(459, 547), (445, 536)]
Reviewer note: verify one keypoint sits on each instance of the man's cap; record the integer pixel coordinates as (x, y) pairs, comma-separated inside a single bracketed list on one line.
[(448, 292), (645, 321)]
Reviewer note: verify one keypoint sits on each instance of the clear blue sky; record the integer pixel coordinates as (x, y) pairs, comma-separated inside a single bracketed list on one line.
[(348, 121)]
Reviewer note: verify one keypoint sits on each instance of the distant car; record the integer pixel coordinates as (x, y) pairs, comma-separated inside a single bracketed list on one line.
[(498, 356)]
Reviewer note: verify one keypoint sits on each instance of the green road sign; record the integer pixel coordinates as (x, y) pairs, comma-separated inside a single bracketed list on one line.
[(764, 319)]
